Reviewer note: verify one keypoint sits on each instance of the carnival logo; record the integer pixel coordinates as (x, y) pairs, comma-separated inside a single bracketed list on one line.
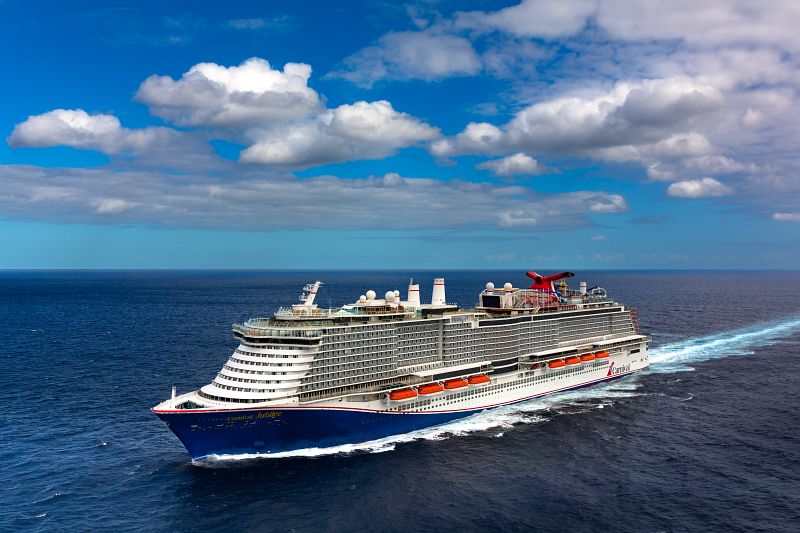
[(612, 371)]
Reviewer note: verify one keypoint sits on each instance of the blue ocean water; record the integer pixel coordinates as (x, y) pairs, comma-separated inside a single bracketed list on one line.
[(708, 439)]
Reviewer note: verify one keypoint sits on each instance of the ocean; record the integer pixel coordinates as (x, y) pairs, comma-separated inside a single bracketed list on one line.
[(708, 439)]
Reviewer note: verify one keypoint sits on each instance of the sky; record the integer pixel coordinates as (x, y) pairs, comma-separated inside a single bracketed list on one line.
[(571, 134)]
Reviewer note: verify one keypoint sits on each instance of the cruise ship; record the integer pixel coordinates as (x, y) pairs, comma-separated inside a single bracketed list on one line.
[(310, 377)]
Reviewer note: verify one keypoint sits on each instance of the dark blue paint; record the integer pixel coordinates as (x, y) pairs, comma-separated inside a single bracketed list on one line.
[(273, 431)]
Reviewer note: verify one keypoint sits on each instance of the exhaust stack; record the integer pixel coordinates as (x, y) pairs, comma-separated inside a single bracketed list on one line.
[(413, 293), (438, 292)]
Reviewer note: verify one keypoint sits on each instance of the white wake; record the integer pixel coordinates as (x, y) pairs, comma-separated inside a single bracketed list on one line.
[(670, 357), (675, 356)]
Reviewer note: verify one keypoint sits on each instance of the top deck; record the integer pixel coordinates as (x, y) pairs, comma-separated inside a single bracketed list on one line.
[(306, 319)]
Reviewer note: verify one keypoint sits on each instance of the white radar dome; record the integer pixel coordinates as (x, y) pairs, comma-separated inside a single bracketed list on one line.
[(508, 286), (370, 295), (490, 286), (362, 298), (397, 294), (389, 296)]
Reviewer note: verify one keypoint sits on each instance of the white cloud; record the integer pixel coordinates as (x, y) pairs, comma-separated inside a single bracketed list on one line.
[(411, 55), (710, 23), (260, 200), (689, 146), (106, 206), (513, 165), (786, 217), (597, 238), (274, 113), (607, 203), (279, 117), (363, 130), (632, 121), (532, 18), (213, 95), (78, 129), (515, 219), (698, 188), (477, 137)]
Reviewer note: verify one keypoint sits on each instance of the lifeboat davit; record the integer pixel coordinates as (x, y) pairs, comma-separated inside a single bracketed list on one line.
[(588, 357), (432, 388), (455, 384), (479, 380), (402, 394), (574, 360), (601, 355), (558, 363)]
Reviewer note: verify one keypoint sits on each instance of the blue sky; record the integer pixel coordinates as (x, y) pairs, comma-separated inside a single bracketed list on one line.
[(575, 134)]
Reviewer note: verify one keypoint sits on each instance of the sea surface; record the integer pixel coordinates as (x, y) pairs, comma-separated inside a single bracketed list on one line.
[(708, 439)]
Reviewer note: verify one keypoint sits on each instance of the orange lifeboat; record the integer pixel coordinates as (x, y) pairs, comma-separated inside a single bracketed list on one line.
[(431, 388), (588, 357), (601, 355), (402, 394), (455, 384), (479, 380), (558, 363), (574, 360)]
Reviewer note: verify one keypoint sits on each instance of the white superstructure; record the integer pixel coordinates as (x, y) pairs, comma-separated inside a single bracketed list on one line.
[(392, 355)]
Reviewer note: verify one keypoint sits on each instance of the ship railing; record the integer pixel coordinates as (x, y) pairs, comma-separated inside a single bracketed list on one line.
[(245, 329), (536, 294), (288, 312), (264, 322), (560, 307)]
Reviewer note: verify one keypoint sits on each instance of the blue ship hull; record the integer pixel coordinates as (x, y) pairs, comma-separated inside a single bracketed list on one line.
[(254, 431), (280, 430)]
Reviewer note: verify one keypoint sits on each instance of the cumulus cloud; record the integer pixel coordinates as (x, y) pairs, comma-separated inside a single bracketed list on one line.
[(78, 129), (786, 217), (699, 89), (698, 188), (634, 120), (477, 137), (363, 130), (274, 113), (258, 201), (252, 93), (424, 55), (279, 117), (513, 165), (684, 146)]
